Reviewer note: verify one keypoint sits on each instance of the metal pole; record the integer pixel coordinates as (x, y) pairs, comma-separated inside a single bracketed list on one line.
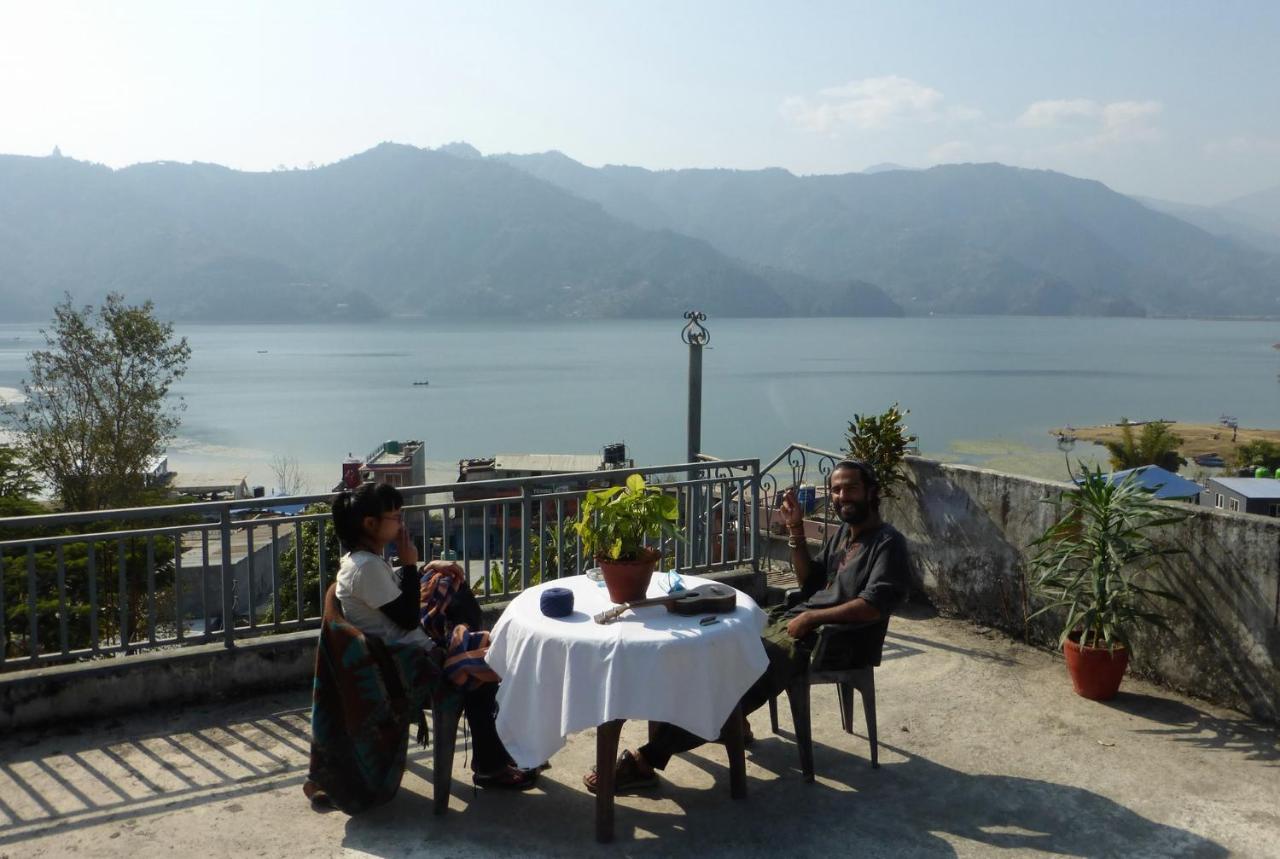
[(695, 403), (696, 336), (228, 579)]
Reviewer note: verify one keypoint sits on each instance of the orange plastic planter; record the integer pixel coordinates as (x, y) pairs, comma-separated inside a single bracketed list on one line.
[(1095, 672)]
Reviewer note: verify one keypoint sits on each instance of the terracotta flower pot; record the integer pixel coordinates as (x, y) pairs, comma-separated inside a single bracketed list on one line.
[(628, 581), (1095, 672)]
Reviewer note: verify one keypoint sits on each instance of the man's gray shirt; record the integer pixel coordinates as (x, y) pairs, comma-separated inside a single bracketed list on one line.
[(877, 568)]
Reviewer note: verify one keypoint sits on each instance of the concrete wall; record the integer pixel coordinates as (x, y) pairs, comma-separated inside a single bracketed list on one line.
[(187, 675), (969, 529)]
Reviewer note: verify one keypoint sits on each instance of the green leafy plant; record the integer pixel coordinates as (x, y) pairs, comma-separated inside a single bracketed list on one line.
[(881, 441), (1091, 560), (1258, 453), (614, 522)]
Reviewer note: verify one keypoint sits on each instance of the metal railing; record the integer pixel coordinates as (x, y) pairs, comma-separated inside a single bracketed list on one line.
[(796, 466), (86, 585)]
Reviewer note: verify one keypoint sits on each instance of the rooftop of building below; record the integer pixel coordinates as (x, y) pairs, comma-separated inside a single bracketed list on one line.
[(983, 747)]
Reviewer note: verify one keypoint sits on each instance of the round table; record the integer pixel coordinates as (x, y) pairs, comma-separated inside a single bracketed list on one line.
[(563, 675)]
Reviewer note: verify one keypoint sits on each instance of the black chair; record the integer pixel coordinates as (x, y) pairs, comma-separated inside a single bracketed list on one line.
[(847, 656), (444, 729)]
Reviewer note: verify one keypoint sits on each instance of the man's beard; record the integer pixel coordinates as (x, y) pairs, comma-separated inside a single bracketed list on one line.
[(854, 513)]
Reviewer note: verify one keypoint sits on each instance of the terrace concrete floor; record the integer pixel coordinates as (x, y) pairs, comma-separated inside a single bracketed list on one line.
[(985, 751)]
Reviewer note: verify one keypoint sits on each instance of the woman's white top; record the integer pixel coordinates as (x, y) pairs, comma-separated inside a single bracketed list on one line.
[(365, 582)]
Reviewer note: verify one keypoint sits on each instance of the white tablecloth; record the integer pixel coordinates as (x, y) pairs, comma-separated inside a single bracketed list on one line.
[(562, 675)]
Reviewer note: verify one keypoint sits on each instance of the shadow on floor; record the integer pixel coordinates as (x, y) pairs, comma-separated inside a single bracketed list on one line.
[(913, 806), (1185, 723), (63, 780)]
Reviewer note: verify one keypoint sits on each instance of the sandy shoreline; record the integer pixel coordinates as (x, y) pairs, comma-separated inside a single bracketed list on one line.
[(1197, 439)]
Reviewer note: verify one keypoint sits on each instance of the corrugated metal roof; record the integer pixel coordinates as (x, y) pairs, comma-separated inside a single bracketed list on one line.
[(547, 462), (1250, 487), (1164, 483)]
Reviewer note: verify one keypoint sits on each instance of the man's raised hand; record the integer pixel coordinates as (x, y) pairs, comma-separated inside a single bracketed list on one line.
[(792, 515)]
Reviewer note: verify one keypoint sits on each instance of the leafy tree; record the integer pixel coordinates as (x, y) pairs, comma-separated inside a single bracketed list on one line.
[(95, 408), (882, 442), (120, 584), (16, 482), (1157, 444), (1259, 452), (287, 567)]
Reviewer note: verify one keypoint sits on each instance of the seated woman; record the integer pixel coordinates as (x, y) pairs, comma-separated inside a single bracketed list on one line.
[(385, 602)]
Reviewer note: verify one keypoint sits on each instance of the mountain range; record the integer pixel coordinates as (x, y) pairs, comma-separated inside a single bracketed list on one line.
[(962, 238), (450, 233)]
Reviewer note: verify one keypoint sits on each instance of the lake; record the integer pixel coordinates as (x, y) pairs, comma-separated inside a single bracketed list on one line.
[(982, 390)]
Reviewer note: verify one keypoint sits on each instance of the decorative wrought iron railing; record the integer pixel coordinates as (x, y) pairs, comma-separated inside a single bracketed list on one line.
[(807, 470)]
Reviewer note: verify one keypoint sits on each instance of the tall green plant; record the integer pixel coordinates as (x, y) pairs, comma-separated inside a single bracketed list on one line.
[(1090, 561), (882, 442), (1157, 444), (615, 522)]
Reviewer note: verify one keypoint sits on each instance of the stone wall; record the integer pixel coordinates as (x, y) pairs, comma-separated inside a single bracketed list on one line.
[(969, 530)]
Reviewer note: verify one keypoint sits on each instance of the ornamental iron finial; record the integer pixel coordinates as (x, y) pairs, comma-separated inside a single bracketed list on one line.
[(694, 334)]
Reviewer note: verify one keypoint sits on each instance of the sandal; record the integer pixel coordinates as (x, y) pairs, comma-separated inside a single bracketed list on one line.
[(626, 775), (507, 778), (316, 794)]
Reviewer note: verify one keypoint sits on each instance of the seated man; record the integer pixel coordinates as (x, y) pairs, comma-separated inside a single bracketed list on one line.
[(861, 575)]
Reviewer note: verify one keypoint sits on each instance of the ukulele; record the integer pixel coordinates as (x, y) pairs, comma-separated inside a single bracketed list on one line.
[(704, 599)]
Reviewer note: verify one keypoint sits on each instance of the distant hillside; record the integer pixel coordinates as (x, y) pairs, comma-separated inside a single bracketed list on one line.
[(966, 238), (393, 230), (1261, 210), (1224, 223), (449, 232)]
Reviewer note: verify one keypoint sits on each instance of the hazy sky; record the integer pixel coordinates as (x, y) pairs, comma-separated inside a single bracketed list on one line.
[(1168, 99)]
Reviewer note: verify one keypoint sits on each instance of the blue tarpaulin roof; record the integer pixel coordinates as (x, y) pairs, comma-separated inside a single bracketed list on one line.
[(1165, 484), (282, 509)]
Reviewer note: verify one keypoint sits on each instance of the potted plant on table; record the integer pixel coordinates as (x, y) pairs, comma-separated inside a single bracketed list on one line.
[(1090, 563), (614, 524)]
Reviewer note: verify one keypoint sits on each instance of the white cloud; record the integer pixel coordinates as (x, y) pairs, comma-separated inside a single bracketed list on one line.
[(1102, 124), (869, 103), (1055, 112), (1128, 122)]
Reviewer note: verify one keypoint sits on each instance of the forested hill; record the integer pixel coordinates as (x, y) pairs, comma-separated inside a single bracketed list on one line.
[(395, 230), (962, 238)]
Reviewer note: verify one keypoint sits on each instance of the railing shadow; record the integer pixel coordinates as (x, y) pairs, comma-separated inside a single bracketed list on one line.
[(63, 782)]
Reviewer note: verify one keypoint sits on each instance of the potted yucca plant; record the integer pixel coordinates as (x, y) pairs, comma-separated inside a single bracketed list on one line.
[(1090, 563), (614, 525)]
